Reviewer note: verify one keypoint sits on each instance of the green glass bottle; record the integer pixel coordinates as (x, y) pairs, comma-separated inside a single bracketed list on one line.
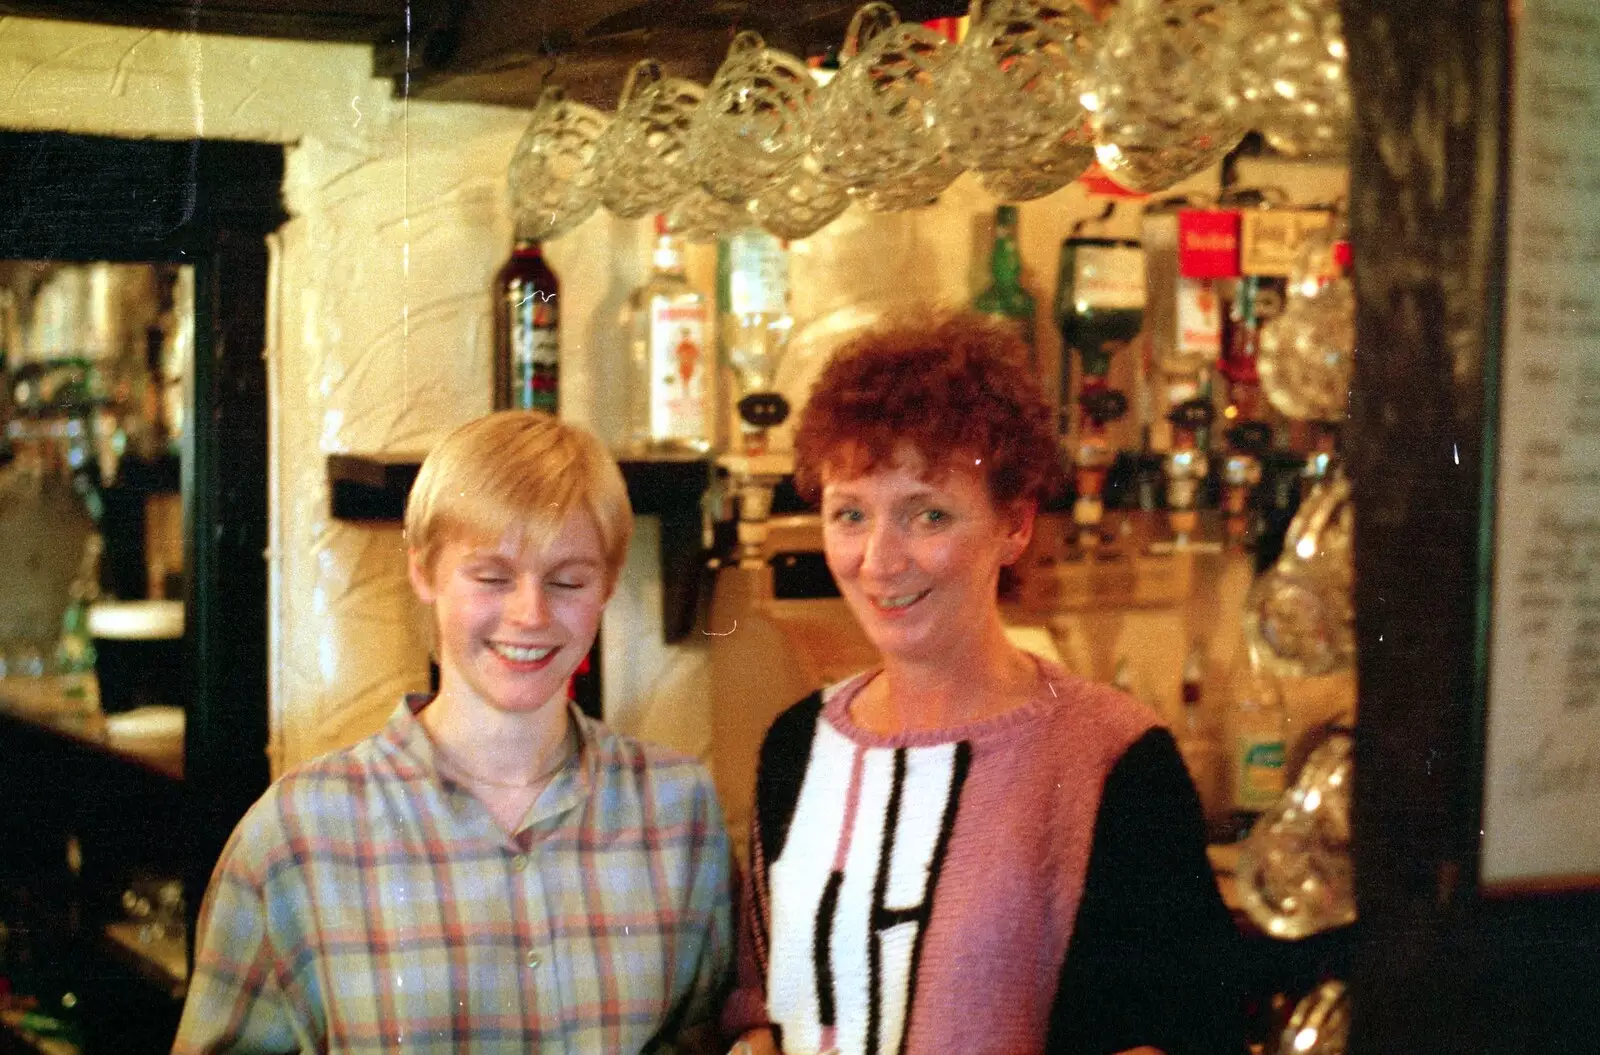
[(1005, 298)]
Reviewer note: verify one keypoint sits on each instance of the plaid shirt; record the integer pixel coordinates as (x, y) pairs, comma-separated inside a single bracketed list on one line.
[(366, 903)]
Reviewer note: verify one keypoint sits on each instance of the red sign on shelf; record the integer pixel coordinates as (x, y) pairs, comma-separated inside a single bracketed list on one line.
[(1208, 243), (1095, 181)]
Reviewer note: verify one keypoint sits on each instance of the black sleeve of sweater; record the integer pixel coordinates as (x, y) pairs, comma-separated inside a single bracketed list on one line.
[(1155, 957)]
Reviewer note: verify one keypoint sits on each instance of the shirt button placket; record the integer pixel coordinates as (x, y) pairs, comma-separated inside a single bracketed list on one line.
[(532, 958)]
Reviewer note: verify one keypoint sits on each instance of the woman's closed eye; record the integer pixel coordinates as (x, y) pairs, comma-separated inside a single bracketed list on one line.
[(568, 583)]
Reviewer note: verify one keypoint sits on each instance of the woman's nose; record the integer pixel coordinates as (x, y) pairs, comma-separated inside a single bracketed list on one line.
[(884, 553), (528, 604)]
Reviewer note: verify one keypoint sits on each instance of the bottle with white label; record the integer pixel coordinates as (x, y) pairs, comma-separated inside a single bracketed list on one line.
[(670, 395), (1257, 726), (753, 327)]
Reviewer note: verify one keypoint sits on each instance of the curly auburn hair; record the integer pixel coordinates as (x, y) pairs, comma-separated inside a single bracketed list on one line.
[(949, 386)]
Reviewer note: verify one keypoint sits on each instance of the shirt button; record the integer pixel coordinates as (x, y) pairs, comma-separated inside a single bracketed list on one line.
[(520, 862), (533, 958)]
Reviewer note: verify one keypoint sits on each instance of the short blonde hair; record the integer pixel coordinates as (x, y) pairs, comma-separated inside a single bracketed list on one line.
[(517, 472)]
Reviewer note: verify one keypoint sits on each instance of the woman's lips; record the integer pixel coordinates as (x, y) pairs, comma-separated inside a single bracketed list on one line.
[(896, 603), (529, 657)]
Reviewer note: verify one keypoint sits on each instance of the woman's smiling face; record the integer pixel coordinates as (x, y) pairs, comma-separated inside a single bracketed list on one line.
[(917, 554), (514, 622)]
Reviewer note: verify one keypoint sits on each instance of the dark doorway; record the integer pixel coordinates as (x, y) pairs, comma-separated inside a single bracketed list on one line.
[(81, 821)]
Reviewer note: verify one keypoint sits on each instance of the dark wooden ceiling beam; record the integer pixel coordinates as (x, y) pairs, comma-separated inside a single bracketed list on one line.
[(504, 51)]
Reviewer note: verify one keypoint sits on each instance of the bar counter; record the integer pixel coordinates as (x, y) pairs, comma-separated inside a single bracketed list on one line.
[(151, 738)]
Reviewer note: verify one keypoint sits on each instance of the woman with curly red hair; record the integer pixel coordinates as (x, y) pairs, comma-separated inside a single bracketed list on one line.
[(967, 849)]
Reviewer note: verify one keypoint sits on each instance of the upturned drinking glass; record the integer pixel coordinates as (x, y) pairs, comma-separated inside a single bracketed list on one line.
[(1157, 97), (552, 176), (878, 121), (1307, 354), (1044, 170), (801, 203), (1288, 63), (1294, 874), (642, 158), (1299, 616), (1010, 101), (916, 189), (700, 218), (755, 123)]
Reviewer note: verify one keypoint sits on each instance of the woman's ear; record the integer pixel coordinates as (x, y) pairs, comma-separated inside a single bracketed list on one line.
[(421, 578), (1020, 518)]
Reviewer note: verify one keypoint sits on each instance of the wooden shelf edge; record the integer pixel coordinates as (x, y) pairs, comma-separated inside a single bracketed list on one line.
[(165, 968)]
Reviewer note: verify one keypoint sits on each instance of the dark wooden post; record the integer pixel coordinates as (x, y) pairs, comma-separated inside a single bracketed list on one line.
[(1438, 967)]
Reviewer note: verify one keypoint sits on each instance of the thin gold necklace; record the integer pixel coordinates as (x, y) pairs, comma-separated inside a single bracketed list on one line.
[(455, 766)]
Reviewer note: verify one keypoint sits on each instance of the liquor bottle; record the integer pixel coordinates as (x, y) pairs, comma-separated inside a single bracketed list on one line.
[(1257, 723), (1005, 298), (1187, 465), (1092, 460), (1100, 300), (1182, 308), (74, 659), (753, 329), (1248, 443), (1242, 347), (670, 394), (1197, 742), (527, 350)]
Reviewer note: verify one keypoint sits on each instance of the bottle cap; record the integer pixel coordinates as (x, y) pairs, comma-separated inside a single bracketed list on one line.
[(1252, 437), (1191, 414), (1104, 405)]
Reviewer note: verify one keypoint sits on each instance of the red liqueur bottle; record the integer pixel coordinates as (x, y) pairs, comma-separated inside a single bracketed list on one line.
[(527, 315)]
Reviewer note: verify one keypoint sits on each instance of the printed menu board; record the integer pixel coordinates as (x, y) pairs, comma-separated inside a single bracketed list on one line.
[(1541, 825)]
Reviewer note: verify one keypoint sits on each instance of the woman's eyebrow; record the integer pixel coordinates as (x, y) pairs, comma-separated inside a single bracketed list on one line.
[(582, 561)]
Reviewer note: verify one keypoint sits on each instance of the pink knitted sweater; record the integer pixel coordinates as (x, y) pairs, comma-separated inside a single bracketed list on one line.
[(919, 893)]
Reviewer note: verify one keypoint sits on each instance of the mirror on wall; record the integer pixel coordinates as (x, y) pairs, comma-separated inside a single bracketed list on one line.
[(94, 363)]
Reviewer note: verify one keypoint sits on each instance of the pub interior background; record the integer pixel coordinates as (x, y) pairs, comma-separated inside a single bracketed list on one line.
[(281, 228)]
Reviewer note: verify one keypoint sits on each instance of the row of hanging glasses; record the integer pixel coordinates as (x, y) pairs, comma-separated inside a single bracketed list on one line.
[(1036, 92)]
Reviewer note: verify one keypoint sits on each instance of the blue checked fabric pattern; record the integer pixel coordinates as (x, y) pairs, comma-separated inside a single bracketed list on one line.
[(365, 904)]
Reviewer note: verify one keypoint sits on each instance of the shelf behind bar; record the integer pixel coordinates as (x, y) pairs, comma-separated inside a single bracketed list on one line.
[(372, 488)]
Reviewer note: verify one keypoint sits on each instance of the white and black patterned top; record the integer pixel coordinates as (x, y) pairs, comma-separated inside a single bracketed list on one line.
[(1036, 882)]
